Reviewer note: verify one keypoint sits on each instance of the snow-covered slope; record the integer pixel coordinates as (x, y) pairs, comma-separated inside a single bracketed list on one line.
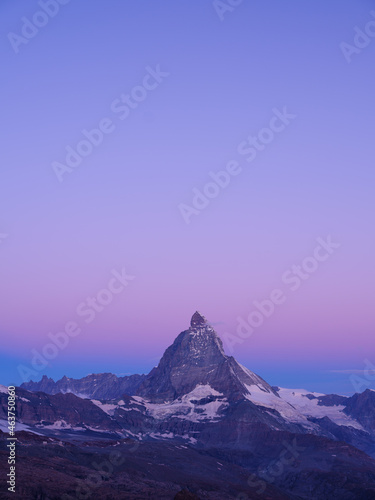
[(4, 427), (310, 405), (296, 405), (202, 403)]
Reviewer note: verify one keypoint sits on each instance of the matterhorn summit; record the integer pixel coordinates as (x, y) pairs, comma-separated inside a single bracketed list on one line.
[(197, 320), (197, 357)]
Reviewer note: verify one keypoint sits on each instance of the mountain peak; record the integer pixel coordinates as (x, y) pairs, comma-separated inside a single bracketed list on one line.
[(197, 357), (198, 320)]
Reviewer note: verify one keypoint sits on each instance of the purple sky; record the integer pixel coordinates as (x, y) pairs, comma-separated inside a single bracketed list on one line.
[(220, 83)]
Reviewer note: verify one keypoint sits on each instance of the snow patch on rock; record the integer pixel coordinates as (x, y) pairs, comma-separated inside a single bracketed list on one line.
[(106, 407), (191, 406), (19, 427)]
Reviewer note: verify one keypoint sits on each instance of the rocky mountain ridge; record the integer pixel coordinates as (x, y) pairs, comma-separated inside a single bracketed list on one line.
[(199, 398), (100, 385)]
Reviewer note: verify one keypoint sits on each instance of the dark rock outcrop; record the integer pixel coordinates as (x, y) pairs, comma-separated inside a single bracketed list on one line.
[(361, 406)]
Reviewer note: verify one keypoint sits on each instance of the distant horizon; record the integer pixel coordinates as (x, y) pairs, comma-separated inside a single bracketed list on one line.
[(297, 388)]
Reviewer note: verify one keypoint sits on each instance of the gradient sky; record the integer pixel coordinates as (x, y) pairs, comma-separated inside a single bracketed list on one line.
[(119, 207)]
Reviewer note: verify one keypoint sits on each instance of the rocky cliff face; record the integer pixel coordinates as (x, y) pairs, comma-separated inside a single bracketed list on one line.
[(362, 408), (197, 357)]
